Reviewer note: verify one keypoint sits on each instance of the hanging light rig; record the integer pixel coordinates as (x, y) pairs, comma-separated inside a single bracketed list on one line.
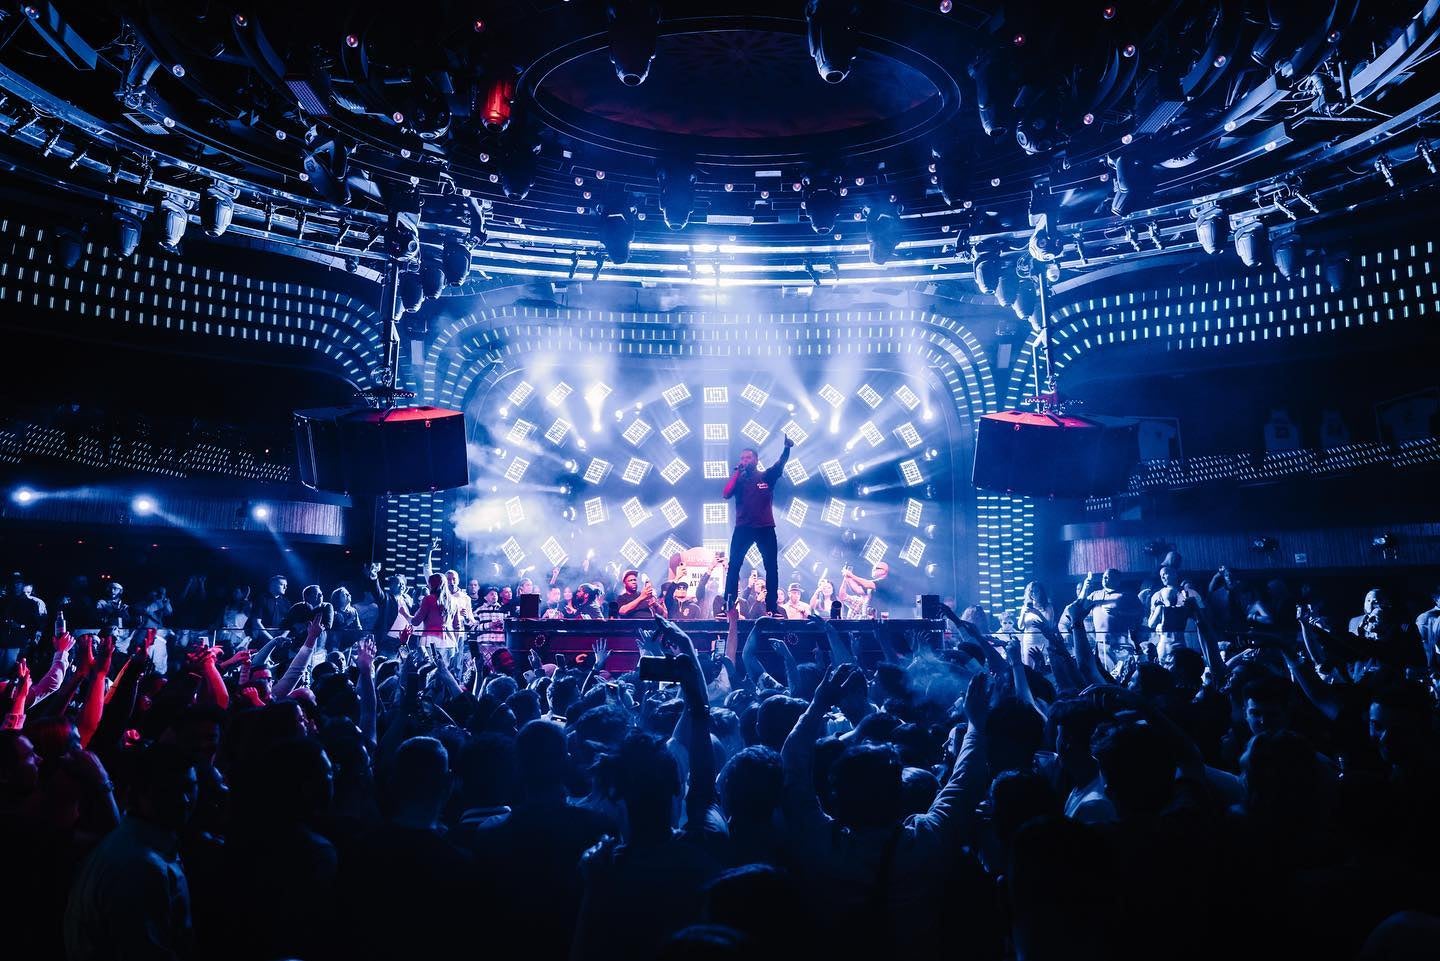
[(402, 251)]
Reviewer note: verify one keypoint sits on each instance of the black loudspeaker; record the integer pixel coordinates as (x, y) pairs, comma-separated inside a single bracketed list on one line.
[(930, 607), (399, 451), (529, 606), (1045, 455)]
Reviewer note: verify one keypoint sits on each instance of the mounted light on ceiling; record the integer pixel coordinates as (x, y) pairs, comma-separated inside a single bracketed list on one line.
[(1007, 288), (1252, 242), (174, 218), (519, 161), (988, 267), (634, 28), (832, 29), (1212, 228), (822, 203), (1131, 182), (677, 195), (410, 290), (432, 278), (127, 232), (1339, 270), (1286, 251), (67, 246), (217, 208), (496, 98), (617, 233), (1027, 298), (455, 261), (882, 230)]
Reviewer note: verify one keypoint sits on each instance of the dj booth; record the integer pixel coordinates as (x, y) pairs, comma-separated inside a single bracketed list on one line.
[(624, 637)]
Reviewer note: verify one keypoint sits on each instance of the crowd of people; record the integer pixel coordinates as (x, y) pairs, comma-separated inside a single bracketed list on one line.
[(1195, 769)]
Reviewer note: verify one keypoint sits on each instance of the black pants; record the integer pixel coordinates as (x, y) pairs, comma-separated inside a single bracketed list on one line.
[(740, 541)]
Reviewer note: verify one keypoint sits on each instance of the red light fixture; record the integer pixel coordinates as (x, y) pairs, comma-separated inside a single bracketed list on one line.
[(479, 25), (497, 102), (352, 40)]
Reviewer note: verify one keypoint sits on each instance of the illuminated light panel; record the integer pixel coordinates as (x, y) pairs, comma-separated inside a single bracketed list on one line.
[(597, 392), (834, 512), (715, 470), (675, 431), (907, 397), (752, 556), (558, 430), (913, 509), (869, 396), (673, 513), (913, 550), (671, 547), (833, 472), (558, 393), (514, 511), (713, 513), (520, 431), (755, 432), (510, 547), (910, 473), (796, 552), (716, 432), (754, 396), (516, 470), (797, 512), (554, 552), (794, 431), (673, 471), (634, 552), (831, 396), (595, 512), (795, 472), (717, 395), (908, 435), (874, 550), (635, 471), (521, 393), (871, 433), (675, 396), (635, 512), (597, 470), (636, 432)]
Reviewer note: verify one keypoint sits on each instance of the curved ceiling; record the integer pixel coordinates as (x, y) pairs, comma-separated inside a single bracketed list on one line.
[(505, 128)]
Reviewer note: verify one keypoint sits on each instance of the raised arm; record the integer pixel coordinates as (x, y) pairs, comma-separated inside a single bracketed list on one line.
[(300, 661), (730, 484), (750, 655), (773, 472), (94, 705)]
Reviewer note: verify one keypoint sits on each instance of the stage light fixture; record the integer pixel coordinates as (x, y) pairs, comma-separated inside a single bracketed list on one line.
[(832, 29), (1338, 270), (432, 279), (410, 290), (455, 261), (127, 232), (822, 203), (175, 217), (989, 266), (882, 230), (495, 100), (1027, 299), (1287, 251), (1212, 228), (1130, 181), (143, 505), (634, 29), (1252, 242), (217, 208), (260, 512), (519, 160), (677, 195), (1007, 287), (617, 233), (68, 245), (23, 496)]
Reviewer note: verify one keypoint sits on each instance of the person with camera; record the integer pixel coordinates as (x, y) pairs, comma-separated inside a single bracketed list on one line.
[(754, 491)]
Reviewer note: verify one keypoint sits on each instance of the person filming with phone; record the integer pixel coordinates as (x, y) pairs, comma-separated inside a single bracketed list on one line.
[(754, 491)]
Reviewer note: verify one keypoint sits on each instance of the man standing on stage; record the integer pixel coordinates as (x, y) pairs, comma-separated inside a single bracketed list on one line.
[(754, 493)]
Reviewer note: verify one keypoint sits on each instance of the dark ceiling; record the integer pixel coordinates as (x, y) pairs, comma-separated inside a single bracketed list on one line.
[(724, 144)]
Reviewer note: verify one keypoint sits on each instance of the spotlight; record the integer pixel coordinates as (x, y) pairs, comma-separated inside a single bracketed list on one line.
[(834, 39), (882, 229), (1026, 299), (175, 218), (23, 496), (518, 161), (68, 245), (455, 261), (217, 208), (1338, 270), (1264, 545), (677, 196), (496, 100), (260, 512), (1286, 252), (1007, 288), (127, 232), (1130, 181), (1212, 228), (410, 290), (634, 26), (432, 279), (1251, 243), (617, 233), (143, 505), (988, 267), (822, 204), (566, 513), (931, 569), (1044, 246)]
